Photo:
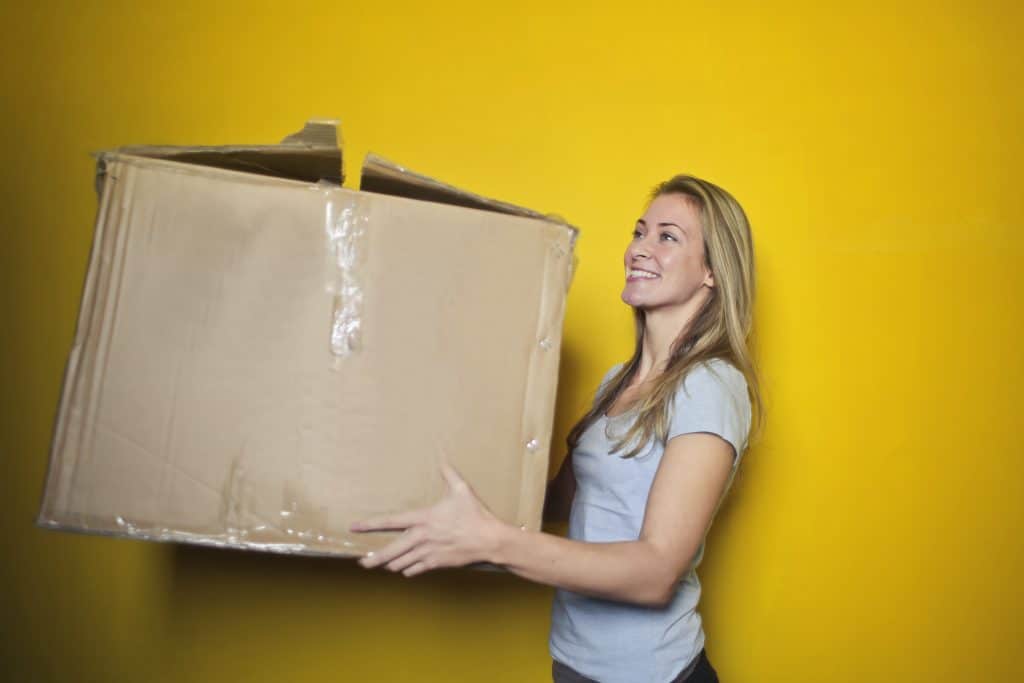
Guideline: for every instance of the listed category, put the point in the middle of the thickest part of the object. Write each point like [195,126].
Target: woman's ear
[709,279]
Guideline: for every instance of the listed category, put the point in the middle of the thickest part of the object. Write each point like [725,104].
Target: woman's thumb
[451,477]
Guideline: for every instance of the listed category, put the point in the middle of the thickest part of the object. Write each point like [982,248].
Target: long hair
[720,329]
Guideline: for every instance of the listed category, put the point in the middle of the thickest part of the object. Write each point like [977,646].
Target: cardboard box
[262,356]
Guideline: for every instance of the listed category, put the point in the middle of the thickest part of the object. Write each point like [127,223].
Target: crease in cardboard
[237,512]
[104,318]
[232,511]
[299,516]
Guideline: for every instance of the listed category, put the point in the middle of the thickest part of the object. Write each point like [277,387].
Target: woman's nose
[639,249]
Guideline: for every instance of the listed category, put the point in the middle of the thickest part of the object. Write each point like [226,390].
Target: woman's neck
[662,327]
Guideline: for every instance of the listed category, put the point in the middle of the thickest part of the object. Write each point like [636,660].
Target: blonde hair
[720,329]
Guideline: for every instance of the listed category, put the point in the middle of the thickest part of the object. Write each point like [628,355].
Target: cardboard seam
[106,321]
[555,310]
[541,445]
[84,388]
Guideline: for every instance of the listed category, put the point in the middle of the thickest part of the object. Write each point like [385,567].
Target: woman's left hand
[457,530]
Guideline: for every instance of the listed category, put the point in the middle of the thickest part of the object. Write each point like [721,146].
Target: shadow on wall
[208,576]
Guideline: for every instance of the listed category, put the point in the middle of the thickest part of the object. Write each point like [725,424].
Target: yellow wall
[874,533]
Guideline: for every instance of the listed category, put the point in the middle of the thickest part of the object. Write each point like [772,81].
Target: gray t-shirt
[618,642]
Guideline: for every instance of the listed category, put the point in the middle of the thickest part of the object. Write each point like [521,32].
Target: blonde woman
[648,465]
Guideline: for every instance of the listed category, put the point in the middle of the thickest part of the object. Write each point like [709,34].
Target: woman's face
[665,260]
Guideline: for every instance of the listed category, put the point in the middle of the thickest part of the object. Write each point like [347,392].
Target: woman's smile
[634,274]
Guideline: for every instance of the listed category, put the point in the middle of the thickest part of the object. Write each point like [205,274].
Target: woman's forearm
[627,571]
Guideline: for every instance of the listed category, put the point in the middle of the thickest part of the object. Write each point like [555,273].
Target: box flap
[386,177]
[311,154]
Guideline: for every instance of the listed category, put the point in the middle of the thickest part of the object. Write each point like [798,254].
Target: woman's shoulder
[718,368]
[714,377]
[713,397]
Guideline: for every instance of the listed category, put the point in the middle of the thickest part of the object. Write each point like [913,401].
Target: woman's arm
[460,530]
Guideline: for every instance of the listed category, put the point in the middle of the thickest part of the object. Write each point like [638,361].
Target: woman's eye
[636,233]
[669,235]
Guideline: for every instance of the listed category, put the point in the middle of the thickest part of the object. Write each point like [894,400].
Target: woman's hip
[697,671]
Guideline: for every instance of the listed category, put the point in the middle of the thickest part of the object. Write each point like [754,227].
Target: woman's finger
[397,547]
[451,477]
[418,568]
[410,558]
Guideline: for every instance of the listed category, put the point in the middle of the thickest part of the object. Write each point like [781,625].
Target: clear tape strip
[305,543]
[346,219]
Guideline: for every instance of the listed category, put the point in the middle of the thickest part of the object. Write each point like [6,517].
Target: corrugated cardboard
[263,357]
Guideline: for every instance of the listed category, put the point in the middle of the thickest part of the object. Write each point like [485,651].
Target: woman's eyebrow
[664,224]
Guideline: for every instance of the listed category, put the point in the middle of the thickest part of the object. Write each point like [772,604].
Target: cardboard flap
[310,155]
[316,133]
[386,177]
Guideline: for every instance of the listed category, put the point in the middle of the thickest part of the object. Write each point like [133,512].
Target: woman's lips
[636,274]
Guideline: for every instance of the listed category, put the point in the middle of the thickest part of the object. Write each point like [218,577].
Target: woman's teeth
[640,273]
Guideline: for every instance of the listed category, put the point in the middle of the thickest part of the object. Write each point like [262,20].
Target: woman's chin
[631,298]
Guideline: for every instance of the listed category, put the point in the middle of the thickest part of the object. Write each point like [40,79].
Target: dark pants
[702,672]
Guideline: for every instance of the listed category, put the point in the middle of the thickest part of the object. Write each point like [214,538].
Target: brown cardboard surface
[203,401]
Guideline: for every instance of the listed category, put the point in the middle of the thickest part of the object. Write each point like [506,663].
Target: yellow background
[873,534]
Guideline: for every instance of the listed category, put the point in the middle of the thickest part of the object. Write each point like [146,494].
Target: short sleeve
[713,398]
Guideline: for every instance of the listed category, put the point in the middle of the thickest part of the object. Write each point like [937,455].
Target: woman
[648,465]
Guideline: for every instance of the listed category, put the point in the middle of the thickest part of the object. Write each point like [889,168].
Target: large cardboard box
[263,356]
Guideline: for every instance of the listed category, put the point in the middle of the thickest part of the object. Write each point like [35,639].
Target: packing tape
[346,217]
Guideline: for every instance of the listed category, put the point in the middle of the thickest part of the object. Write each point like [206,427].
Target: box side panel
[211,407]
[454,304]
[189,273]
